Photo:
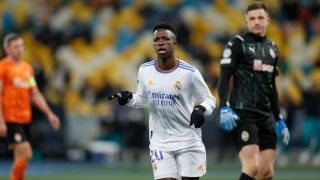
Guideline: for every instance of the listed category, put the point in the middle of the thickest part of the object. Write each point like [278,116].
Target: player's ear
[175,43]
[246,19]
[154,44]
[268,19]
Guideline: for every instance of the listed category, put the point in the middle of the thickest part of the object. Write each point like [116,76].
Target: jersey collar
[168,71]
[255,38]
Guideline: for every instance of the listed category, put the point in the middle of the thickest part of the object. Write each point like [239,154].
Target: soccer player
[171,87]
[17,86]
[252,110]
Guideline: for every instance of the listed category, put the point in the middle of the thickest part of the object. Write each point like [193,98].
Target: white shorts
[189,162]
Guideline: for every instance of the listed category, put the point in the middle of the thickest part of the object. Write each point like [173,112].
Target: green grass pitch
[89,171]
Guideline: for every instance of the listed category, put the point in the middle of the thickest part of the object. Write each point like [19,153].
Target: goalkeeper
[171,87]
[254,111]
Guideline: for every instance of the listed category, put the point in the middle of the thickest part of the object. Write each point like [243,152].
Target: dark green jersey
[252,62]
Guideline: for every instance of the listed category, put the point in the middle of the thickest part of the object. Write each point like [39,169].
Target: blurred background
[85,50]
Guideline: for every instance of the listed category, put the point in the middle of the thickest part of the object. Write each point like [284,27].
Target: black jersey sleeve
[231,54]
[274,99]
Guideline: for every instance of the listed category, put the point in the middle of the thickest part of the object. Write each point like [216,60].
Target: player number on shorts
[156,155]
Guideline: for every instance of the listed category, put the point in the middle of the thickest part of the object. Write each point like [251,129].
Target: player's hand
[283,131]
[197,116]
[3,129]
[228,118]
[123,97]
[54,120]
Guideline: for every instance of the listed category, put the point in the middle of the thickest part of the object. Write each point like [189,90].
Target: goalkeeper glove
[228,118]
[197,116]
[123,97]
[283,131]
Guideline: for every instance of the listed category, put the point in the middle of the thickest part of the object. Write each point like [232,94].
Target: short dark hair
[165,25]
[256,5]
[10,37]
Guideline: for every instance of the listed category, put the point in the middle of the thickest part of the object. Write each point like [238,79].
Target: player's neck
[15,60]
[167,64]
[260,35]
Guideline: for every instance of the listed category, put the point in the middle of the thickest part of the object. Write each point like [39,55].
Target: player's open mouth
[162,51]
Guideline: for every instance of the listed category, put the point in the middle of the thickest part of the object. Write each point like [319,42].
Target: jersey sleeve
[32,79]
[202,93]
[274,99]
[276,69]
[2,71]
[140,98]
[231,54]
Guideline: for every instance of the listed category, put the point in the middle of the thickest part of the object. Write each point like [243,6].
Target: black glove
[123,97]
[197,116]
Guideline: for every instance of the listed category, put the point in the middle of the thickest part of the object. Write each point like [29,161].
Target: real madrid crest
[245,136]
[178,86]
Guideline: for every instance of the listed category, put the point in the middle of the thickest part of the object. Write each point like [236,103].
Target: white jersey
[171,96]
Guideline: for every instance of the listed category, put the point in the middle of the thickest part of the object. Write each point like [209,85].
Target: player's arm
[274,100]
[41,103]
[202,93]
[140,98]
[137,100]
[3,127]
[282,129]
[231,53]
[230,56]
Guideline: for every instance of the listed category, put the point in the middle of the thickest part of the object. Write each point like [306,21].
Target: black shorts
[255,128]
[17,133]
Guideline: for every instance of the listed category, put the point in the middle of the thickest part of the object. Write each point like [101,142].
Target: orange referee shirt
[18,80]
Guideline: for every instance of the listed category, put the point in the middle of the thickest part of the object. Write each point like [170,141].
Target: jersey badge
[178,86]
[252,49]
[17,137]
[245,136]
[227,53]
[150,83]
[200,168]
[154,166]
[27,74]
[272,53]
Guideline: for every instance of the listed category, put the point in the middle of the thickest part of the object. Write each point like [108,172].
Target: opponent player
[252,61]
[17,86]
[171,87]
